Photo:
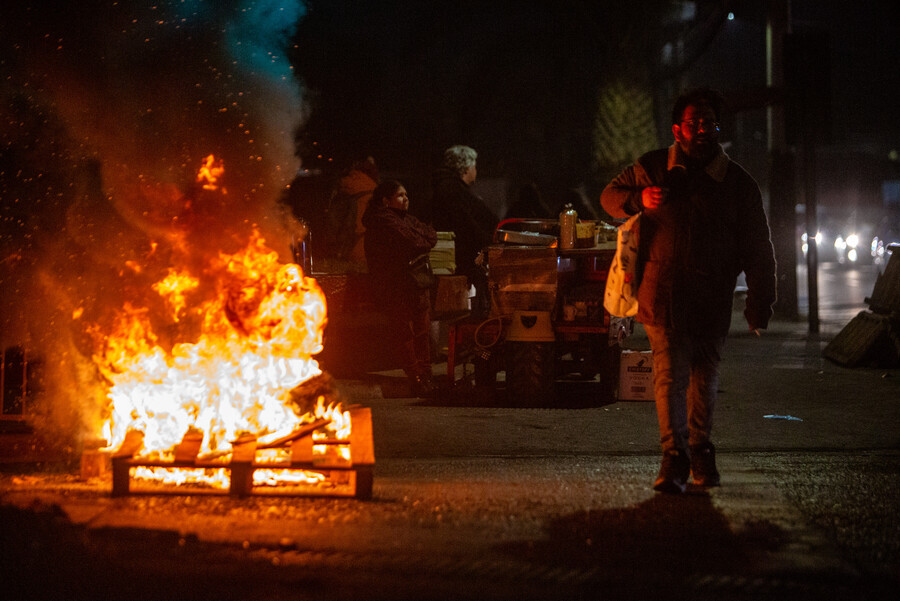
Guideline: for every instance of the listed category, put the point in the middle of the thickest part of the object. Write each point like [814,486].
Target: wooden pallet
[869,339]
[353,478]
[886,293]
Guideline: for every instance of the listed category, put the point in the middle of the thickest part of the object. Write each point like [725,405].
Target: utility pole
[782,168]
[807,77]
[809,101]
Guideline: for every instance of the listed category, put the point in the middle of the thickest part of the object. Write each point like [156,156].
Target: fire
[258,333]
[174,288]
[210,173]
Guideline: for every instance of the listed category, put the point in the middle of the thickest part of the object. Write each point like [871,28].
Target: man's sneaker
[673,473]
[703,465]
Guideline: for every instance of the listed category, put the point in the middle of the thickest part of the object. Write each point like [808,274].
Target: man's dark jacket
[711,227]
[457,209]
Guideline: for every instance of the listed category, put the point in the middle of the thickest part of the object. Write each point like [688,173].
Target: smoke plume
[109,110]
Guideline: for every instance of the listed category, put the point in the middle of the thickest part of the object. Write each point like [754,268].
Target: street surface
[842,290]
[474,499]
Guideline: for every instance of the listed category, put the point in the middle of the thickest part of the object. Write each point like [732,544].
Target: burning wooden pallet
[293,470]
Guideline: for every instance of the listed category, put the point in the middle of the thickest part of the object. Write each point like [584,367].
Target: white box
[636,376]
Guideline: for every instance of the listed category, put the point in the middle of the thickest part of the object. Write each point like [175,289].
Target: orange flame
[210,173]
[257,340]
[257,337]
[174,288]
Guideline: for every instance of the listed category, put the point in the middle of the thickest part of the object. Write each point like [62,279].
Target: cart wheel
[485,372]
[587,368]
[592,355]
[530,372]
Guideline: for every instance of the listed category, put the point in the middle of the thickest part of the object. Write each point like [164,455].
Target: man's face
[470,175]
[698,133]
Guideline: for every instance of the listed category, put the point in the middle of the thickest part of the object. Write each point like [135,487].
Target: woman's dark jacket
[393,238]
[711,227]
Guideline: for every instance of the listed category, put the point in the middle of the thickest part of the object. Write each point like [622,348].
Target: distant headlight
[840,243]
[852,240]
[803,237]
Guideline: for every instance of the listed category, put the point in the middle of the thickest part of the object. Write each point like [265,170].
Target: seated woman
[393,238]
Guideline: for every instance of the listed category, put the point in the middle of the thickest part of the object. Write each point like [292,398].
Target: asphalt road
[477,500]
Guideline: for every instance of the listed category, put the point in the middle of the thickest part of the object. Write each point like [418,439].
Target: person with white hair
[459,210]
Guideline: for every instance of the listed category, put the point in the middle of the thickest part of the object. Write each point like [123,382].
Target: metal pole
[812,227]
[782,166]
[778,24]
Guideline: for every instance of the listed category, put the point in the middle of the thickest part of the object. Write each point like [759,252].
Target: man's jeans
[685,383]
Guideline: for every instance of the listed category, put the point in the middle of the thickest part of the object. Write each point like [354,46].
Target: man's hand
[652,197]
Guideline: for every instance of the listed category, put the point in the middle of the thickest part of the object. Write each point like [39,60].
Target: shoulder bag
[419,271]
[620,297]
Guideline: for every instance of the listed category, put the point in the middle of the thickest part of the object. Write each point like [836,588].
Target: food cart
[547,320]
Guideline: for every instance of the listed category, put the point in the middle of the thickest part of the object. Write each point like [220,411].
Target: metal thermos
[567,220]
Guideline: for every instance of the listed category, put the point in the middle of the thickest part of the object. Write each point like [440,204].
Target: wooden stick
[294,435]
[187,449]
[134,442]
[298,433]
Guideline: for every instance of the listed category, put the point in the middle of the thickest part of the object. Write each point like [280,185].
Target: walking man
[702,224]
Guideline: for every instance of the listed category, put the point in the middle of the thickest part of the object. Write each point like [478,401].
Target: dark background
[109,107]
[520,82]
[562,93]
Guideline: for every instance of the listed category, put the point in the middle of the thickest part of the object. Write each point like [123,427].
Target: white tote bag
[620,297]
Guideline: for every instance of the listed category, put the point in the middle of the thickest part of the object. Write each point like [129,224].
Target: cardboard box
[450,296]
[636,376]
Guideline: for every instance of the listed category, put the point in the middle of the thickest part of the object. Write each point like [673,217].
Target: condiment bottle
[567,220]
